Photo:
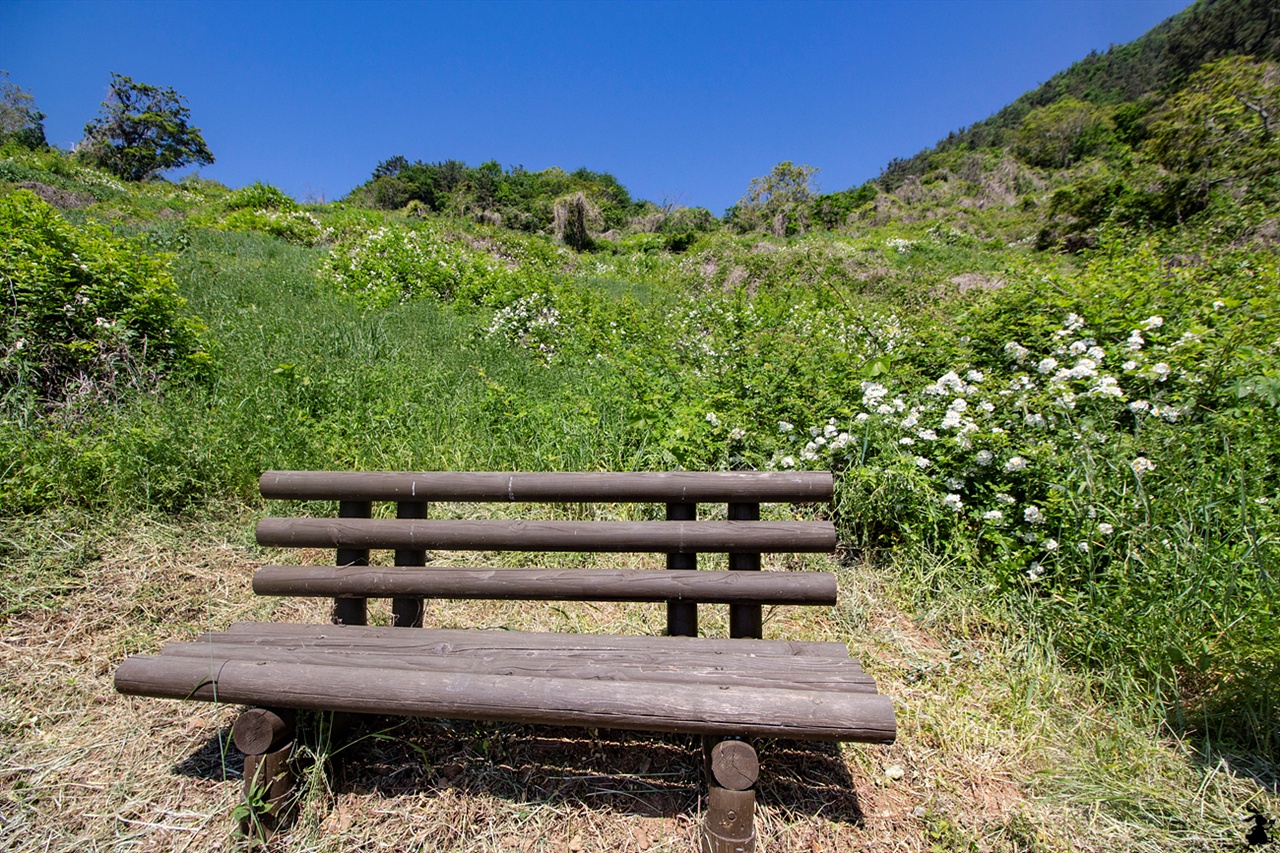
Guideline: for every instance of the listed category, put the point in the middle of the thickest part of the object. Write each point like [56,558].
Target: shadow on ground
[215,760]
[633,773]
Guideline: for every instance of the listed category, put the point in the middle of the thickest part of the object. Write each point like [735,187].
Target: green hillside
[1042,359]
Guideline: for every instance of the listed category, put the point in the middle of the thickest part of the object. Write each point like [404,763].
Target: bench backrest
[742,535]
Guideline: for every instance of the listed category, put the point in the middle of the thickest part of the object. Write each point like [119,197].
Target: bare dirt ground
[85,769]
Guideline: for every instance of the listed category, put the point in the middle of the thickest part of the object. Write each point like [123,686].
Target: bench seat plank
[708,587]
[465,640]
[578,536]
[658,664]
[711,709]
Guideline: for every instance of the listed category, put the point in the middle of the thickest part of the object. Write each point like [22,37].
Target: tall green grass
[1136,542]
[306,379]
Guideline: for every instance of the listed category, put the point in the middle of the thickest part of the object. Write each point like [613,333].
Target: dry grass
[999,749]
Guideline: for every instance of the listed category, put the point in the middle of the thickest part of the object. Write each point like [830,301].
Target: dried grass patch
[986,738]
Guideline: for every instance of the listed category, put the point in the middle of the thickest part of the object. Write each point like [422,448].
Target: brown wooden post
[352,611]
[268,792]
[733,769]
[407,612]
[265,736]
[682,616]
[260,730]
[745,619]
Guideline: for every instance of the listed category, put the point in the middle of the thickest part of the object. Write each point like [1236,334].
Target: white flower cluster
[530,322]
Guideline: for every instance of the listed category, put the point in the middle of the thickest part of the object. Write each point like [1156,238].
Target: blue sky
[683,102]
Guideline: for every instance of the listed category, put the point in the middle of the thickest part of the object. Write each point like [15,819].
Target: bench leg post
[732,771]
[352,611]
[269,801]
[265,736]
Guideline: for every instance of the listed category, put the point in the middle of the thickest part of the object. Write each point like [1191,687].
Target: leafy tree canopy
[771,199]
[1224,120]
[1062,133]
[514,197]
[142,131]
[20,121]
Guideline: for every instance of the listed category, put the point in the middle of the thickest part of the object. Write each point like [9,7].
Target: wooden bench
[728,689]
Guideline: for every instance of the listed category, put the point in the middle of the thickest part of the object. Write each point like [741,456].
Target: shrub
[267,210]
[259,196]
[393,264]
[90,311]
[296,226]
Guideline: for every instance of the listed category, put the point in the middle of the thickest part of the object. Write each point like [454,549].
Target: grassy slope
[1111,690]
[1002,747]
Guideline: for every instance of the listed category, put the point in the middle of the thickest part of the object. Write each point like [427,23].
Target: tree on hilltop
[20,121]
[142,131]
[772,200]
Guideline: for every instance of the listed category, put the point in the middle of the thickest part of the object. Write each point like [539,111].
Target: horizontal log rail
[567,487]
[578,536]
[471,640]
[706,587]
[812,673]
[691,708]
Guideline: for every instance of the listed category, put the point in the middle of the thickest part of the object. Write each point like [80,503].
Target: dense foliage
[142,131]
[515,198]
[1079,446]
[21,123]
[88,313]
[1126,77]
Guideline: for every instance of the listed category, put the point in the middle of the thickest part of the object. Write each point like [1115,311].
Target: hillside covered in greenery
[1042,358]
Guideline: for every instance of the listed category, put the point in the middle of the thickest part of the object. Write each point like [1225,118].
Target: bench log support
[745,619]
[265,736]
[732,771]
[682,616]
[725,690]
[407,612]
[352,611]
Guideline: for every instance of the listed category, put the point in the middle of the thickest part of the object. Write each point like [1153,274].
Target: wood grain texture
[691,708]
[689,667]
[581,536]
[711,587]
[729,826]
[258,730]
[462,639]
[734,765]
[568,487]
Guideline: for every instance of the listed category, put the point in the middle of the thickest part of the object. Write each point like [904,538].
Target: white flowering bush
[89,312]
[265,209]
[394,263]
[295,226]
[1099,445]
[531,322]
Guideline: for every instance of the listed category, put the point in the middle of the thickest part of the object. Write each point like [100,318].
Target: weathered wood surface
[745,619]
[463,640]
[408,612]
[352,611]
[268,781]
[582,536]
[729,826]
[682,616]
[258,730]
[734,765]
[710,587]
[691,708]
[570,487]
[691,668]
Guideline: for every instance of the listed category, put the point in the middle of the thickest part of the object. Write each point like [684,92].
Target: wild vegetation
[1043,359]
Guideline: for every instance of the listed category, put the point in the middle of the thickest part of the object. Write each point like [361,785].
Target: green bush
[259,196]
[296,226]
[90,311]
